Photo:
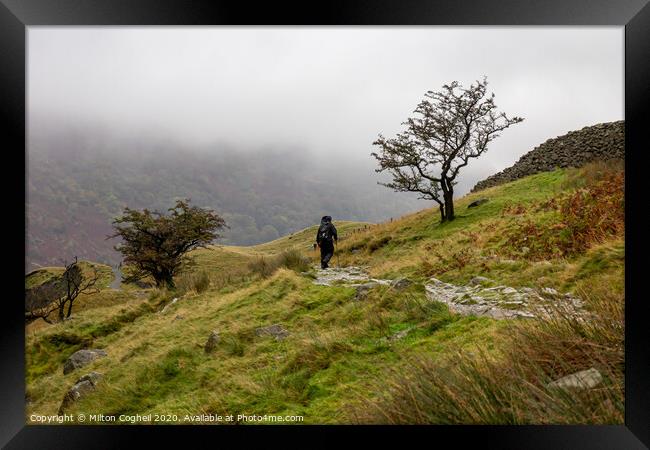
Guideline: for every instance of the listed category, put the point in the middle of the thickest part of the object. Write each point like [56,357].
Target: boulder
[401,283]
[478,202]
[211,343]
[82,358]
[277,331]
[93,377]
[478,281]
[584,379]
[363,289]
[82,387]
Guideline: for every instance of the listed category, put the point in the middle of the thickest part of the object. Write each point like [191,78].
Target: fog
[325,91]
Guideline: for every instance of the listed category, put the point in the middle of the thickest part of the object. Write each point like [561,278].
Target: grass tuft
[193,282]
[510,387]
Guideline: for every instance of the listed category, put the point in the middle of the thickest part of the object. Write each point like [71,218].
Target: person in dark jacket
[325,238]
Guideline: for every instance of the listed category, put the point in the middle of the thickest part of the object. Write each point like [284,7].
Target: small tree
[59,292]
[451,127]
[156,245]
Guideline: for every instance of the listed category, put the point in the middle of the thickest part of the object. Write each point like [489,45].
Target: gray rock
[81,388]
[495,288]
[584,379]
[498,302]
[550,291]
[514,302]
[478,202]
[436,281]
[363,289]
[93,377]
[82,358]
[478,281]
[401,283]
[164,310]
[574,149]
[277,331]
[399,335]
[211,343]
[333,275]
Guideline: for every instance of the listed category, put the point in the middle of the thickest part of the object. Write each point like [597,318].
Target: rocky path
[480,297]
[350,276]
[499,302]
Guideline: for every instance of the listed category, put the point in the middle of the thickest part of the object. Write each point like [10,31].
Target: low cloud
[327,91]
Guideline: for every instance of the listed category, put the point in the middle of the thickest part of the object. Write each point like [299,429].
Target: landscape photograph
[324,225]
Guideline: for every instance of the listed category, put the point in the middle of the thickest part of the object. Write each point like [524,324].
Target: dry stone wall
[603,141]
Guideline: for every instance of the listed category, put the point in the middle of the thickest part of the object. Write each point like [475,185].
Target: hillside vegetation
[342,361]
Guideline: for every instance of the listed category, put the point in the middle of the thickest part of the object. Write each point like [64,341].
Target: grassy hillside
[304,239]
[341,362]
[501,239]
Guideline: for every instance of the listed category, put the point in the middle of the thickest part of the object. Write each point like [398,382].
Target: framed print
[378,218]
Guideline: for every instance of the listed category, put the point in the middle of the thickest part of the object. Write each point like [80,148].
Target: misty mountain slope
[75,189]
[347,353]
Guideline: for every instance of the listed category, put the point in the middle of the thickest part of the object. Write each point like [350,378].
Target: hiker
[325,238]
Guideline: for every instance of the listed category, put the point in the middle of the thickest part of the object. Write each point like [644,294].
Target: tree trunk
[449,205]
[447,208]
[61,312]
[165,278]
[69,308]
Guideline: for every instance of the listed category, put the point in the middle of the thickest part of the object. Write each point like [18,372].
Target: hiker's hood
[326,219]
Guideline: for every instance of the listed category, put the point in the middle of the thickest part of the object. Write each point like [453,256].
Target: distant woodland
[77,185]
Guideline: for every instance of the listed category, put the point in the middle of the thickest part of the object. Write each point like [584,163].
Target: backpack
[325,233]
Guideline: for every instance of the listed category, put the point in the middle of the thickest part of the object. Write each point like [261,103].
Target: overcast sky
[324,89]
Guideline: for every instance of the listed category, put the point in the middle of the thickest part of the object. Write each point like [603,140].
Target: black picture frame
[634,15]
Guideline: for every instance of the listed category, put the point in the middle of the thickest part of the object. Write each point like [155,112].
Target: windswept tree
[449,128]
[59,293]
[156,245]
